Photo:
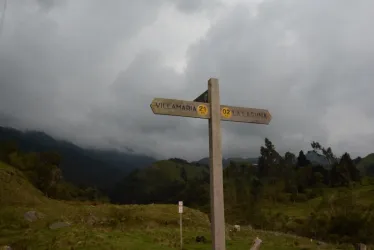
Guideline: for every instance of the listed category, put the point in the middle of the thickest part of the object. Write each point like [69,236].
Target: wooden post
[216,179]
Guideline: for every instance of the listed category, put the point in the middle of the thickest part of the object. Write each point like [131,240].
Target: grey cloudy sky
[87,70]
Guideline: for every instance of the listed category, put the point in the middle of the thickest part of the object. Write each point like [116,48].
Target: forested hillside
[328,198]
[288,193]
[87,167]
[42,169]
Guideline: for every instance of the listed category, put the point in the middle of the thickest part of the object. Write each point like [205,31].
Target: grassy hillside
[107,226]
[15,190]
[363,195]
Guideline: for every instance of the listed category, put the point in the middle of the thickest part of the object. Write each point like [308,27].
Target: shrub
[341,219]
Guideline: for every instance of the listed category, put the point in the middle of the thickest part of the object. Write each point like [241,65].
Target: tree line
[338,216]
[260,194]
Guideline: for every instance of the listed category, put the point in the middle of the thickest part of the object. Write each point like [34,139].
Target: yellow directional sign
[162,106]
[173,107]
[248,115]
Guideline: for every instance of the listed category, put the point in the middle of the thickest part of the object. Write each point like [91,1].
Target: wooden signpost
[173,107]
[207,106]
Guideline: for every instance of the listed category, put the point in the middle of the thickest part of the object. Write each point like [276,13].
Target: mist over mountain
[104,168]
[82,166]
[312,156]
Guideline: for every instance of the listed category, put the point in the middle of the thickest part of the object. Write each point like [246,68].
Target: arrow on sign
[202,98]
[161,106]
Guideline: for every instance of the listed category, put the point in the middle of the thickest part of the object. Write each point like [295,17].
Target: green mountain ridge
[87,167]
[312,156]
[226,161]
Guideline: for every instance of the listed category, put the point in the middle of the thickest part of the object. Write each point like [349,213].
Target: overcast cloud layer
[87,70]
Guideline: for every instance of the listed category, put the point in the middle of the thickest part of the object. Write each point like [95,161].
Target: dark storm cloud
[329,63]
[49,4]
[85,71]
[51,69]
[189,6]
[195,5]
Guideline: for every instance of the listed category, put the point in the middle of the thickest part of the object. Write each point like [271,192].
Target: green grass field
[364,196]
[107,226]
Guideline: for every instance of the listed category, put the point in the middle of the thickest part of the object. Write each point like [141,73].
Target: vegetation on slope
[226,162]
[366,165]
[42,170]
[87,167]
[107,226]
[14,189]
[283,193]
[164,182]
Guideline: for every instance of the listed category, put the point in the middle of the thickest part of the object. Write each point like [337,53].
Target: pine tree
[302,161]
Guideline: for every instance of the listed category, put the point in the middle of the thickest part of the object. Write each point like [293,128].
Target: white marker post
[180,210]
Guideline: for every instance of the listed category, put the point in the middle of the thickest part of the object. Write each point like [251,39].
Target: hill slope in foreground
[29,220]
